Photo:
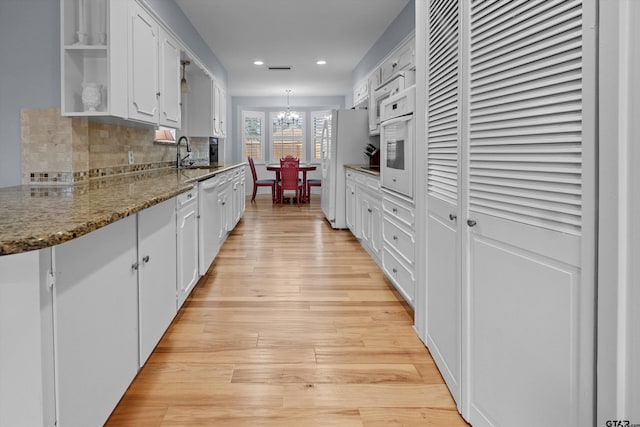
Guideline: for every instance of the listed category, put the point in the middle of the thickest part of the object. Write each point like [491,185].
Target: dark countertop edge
[33,243]
[364,169]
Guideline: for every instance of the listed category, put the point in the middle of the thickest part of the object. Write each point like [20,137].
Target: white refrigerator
[344,138]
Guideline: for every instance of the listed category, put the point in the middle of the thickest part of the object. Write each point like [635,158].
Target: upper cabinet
[143,65]
[206,105]
[402,58]
[117,60]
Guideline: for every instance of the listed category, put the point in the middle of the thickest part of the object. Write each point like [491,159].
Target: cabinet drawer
[400,275]
[189,196]
[400,240]
[399,211]
[373,183]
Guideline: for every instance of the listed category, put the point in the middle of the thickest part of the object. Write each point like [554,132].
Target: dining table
[304,168]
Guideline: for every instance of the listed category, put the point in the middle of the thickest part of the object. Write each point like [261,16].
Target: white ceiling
[290,33]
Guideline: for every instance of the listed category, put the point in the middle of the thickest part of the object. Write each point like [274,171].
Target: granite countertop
[38,216]
[365,169]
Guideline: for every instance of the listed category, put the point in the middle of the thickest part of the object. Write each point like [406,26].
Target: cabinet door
[376,227]
[157,273]
[143,65]
[351,212]
[219,110]
[169,69]
[444,323]
[524,175]
[187,248]
[96,322]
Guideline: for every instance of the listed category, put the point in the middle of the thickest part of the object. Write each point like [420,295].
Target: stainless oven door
[397,141]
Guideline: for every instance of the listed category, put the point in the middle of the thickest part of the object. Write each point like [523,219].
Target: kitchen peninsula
[91,279]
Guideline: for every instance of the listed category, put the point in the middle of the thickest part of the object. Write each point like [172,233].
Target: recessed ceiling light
[258,62]
[321,62]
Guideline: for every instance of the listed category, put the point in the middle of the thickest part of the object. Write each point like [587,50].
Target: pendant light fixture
[289,117]
[184,86]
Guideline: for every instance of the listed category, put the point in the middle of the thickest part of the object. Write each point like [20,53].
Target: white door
[529,325]
[157,273]
[169,81]
[443,141]
[96,322]
[187,245]
[510,315]
[143,65]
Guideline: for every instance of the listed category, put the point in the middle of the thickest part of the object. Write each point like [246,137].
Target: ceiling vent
[281,68]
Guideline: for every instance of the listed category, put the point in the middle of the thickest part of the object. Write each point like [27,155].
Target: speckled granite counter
[365,169]
[35,217]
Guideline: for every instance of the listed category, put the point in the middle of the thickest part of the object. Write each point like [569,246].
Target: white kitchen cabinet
[93,56]
[143,65]
[401,58]
[126,65]
[156,273]
[225,208]
[351,204]
[187,244]
[238,195]
[219,122]
[199,102]
[95,302]
[361,93]
[371,220]
[373,83]
[399,242]
[169,81]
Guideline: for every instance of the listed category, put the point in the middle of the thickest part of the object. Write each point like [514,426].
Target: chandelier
[287,118]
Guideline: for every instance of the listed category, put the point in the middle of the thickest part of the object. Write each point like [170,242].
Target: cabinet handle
[189,195]
[145,259]
[395,271]
[394,180]
[395,238]
[369,210]
[394,210]
[453,217]
[157,93]
[135,265]
[471,222]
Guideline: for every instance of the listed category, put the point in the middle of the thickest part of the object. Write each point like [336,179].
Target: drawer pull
[135,265]
[453,217]
[394,210]
[395,271]
[395,238]
[471,222]
[145,259]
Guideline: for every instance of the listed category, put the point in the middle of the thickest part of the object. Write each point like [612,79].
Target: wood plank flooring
[294,325]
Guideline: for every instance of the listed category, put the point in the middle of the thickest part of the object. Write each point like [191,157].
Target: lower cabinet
[187,244]
[351,204]
[95,305]
[156,273]
[398,229]
[371,223]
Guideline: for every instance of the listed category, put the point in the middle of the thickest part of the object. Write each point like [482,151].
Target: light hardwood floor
[294,325]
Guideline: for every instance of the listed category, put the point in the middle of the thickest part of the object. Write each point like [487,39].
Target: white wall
[29,71]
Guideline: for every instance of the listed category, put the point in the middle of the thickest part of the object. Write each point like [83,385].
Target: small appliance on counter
[213,151]
[373,153]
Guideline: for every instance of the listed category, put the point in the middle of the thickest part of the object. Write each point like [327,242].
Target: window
[317,122]
[287,138]
[252,134]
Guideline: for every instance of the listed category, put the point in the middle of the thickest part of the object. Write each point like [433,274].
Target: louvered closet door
[529,355]
[443,142]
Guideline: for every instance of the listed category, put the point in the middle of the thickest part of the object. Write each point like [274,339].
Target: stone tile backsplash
[57,149]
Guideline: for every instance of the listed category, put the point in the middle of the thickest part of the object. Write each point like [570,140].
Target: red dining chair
[289,181]
[261,182]
[312,183]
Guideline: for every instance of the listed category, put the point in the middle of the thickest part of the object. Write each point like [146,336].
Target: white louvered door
[528,353]
[443,157]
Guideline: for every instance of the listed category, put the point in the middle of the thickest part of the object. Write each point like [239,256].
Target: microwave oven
[397,140]
[394,85]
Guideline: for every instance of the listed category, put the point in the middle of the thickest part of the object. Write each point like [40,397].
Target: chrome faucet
[179,160]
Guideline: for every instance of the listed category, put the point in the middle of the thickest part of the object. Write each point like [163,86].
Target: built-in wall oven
[394,85]
[397,136]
